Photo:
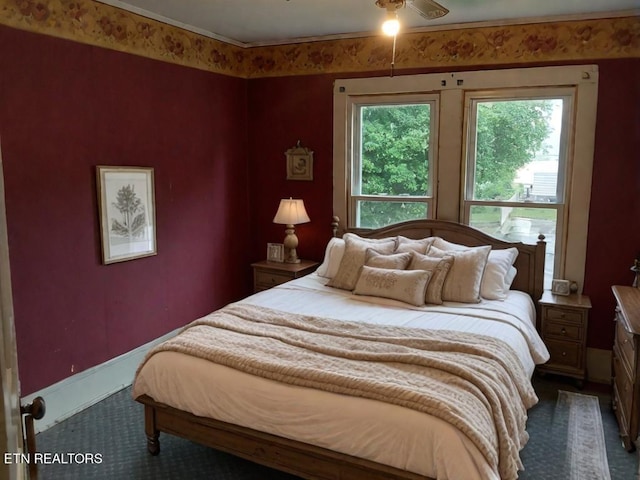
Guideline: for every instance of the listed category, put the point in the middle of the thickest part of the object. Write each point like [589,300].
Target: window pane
[519,225]
[394,150]
[517,150]
[374,214]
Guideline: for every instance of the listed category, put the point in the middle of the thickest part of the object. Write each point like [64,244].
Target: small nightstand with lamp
[268,274]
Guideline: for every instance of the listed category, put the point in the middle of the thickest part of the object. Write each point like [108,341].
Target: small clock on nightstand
[565,320]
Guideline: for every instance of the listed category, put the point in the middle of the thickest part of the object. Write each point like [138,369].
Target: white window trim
[452,87]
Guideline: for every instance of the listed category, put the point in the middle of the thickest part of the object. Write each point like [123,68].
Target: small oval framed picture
[560,287]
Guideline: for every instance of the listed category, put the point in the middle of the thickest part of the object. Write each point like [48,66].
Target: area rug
[586,449]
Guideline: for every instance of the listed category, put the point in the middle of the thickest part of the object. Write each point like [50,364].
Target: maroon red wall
[217,145]
[283,110]
[67,107]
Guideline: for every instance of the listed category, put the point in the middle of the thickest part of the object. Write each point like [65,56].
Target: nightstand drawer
[626,345]
[567,354]
[564,315]
[268,279]
[563,331]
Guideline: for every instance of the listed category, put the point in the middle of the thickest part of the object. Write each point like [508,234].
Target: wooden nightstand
[269,274]
[564,331]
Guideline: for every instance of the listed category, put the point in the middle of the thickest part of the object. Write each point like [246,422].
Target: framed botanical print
[126,203]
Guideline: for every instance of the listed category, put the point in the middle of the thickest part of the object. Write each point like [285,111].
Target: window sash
[472,100]
[355,106]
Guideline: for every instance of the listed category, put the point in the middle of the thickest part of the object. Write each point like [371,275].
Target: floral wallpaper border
[93,23]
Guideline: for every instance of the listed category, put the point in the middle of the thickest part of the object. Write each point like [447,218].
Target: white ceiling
[264,22]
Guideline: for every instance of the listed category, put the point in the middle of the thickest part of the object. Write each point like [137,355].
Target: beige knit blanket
[475,383]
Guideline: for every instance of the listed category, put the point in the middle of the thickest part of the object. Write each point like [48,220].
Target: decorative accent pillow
[494,281]
[442,244]
[439,268]
[411,245]
[353,258]
[398,261]
[465,276]
[404,285]
[332,258]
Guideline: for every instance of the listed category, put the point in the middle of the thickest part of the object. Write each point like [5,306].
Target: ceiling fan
[391,26]
[427,8]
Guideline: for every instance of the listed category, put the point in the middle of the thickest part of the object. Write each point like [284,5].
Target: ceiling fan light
[391,25]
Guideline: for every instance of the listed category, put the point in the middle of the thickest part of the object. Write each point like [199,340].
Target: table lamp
[291,212]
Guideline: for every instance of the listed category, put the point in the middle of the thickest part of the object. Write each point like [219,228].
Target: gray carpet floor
[115,428]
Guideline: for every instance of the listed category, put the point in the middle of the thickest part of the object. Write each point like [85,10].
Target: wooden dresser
[564,330]
[269,274]
[626,365]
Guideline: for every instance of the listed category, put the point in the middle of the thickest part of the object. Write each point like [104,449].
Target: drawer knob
[563,331]
[564,354]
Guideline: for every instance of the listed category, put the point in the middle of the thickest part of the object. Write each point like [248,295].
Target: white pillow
[465,276]
[511,276]
[494,281]
[332,258]
[404,285]
[353,258]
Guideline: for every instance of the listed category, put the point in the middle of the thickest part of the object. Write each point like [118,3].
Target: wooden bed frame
[305,460]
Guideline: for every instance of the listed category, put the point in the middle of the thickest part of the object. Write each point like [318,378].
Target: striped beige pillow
[355,250]
[465,276]
[398,261]
[439,268]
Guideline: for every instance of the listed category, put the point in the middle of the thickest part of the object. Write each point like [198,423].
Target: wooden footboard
[297,458]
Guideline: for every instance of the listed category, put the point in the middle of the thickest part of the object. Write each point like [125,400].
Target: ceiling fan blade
[428,8]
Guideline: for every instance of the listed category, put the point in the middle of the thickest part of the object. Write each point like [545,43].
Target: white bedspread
[384,433]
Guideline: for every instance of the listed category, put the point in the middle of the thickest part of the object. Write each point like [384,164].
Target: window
[391,166]
[507,151]
[516,164]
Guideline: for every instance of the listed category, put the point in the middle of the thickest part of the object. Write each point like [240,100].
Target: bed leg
[153,444]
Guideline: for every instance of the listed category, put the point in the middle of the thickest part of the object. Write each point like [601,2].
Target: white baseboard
[80,391]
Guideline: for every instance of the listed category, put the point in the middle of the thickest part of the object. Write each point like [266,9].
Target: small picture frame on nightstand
[560,287]
[275,252]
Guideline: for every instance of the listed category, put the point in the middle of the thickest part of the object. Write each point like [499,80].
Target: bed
[334,427]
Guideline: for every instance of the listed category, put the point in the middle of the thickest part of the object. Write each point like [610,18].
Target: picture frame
[560,287]
[126,205]
[299,163]
[275,252]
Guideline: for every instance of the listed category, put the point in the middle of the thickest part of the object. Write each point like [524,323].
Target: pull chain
[393,54]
